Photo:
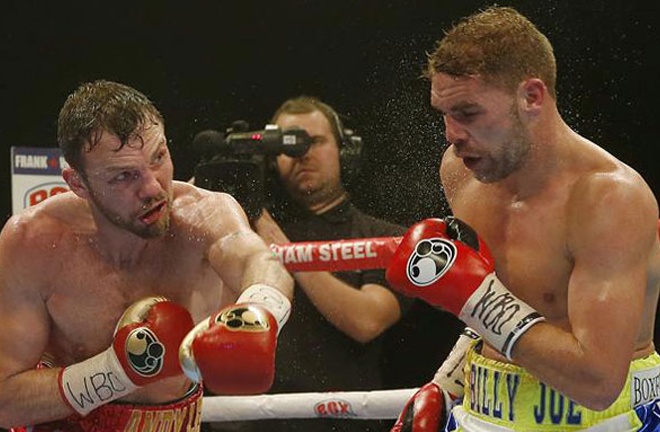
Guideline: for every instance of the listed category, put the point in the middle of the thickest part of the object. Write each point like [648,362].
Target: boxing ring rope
[358,405]
[334,255]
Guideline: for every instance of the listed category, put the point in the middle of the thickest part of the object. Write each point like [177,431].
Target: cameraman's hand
[268,229]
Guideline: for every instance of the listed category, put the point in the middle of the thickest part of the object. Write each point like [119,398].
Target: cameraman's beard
[316,198]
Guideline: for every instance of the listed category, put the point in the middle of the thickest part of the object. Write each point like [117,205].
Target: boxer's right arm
[144,351]
[28,396]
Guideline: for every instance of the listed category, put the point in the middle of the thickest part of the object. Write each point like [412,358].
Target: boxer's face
[132,187]
[483,125]
[314,177]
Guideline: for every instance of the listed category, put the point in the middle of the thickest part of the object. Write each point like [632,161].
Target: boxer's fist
[147,339]
[425,411]
[145,348]
[446,264]
[440,261]
[428,409]
[232,351]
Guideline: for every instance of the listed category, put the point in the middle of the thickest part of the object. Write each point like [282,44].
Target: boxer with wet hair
[552,253]
[131,284]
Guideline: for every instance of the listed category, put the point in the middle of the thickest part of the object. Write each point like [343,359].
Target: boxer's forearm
[30,398]
[575,369]
[264,268]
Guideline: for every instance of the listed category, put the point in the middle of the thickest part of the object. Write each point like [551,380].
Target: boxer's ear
[532,93]
[75,181]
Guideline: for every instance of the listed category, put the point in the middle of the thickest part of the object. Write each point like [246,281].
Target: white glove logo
[430,260]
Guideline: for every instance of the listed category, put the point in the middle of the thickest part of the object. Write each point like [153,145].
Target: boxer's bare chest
[528,241]
[90,293]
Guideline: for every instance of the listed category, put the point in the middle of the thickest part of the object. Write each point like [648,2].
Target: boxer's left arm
[263,289]
[237,253]
[611,234]
[613,242]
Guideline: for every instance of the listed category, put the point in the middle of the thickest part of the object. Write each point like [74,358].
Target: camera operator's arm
[362,314]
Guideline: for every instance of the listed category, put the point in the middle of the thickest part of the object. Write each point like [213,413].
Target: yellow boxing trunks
[504,397]
[183,415]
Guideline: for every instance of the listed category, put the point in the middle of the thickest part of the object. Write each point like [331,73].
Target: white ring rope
[359,405]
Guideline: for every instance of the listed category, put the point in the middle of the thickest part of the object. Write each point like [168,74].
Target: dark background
[206,64]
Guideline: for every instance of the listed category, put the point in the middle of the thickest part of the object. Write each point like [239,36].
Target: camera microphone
[235,162]
[293,142]
[209,143]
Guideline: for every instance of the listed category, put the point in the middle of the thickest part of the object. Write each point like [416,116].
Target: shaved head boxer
[131,289]
[551,255]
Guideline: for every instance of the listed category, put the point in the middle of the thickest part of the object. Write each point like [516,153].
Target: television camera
[236,162]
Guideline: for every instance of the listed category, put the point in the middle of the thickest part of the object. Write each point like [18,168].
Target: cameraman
[333,340]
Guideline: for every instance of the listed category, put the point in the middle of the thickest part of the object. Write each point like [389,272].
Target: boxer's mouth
[153,214]
[471,161]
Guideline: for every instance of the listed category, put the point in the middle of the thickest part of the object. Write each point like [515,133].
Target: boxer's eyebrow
[160,151]
[463,106]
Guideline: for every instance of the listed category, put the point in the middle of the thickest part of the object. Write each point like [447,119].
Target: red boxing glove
[446,264]
[425,411]
[147,338]
[428,409]
[431,264]
[233,351]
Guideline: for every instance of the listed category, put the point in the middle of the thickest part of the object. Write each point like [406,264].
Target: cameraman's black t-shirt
[313,355]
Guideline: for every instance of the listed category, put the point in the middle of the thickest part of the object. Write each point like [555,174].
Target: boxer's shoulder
[199,210]
[597,171]
[193,199]
[48,224]
[595,192]
[37,244]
